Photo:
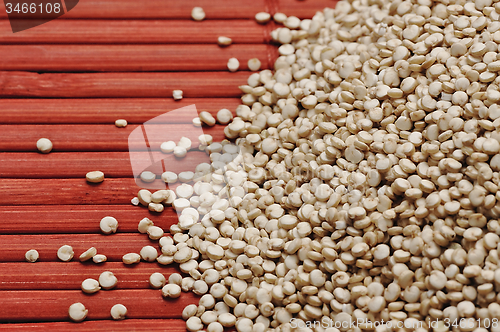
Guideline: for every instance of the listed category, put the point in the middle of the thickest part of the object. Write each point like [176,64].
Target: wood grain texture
[108,32]
[172,9]
[121,85]
[114,246]
[130,58]
[74,191]
[78,164]
[77,219]
[17,138]
[128,325]
[66,191]
[39,306]
[106,110]
[70,275]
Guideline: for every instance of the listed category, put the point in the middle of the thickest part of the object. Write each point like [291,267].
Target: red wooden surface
[66,191]
[74,219]
[136,32]
[114,246]
[173,9]
[52,305]
[96,137]
[49,89]
[129,325]
[69,276]
[104,111]
[77,164]
[121,85]
[130,58]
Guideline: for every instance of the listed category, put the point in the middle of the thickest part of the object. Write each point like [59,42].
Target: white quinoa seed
[31,256]
[65,253]
[118,312]
[224,41]
[121,123]
[77,312]
[262,17]
[95,176]
[44,145]
[198,14]
[233,64]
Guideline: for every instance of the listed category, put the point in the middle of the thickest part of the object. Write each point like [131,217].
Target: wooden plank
[77,219]
[172,9]
[114,246]
[66,191]
[77,164]
[136,32]
[121,85]
[105,111]
[69,276]
[74,191]
[161,9]
[130,58]
[39,306]
[127,325]
[23,138]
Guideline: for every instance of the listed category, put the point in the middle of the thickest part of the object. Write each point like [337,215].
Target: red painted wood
[98,137]
[77,164]
[77,219]
[121,85]
[104,111]
[66,191]
[136,32]
[114,246]
[39,306]
[172,9]
[70,275]
[129,58]
[127,325]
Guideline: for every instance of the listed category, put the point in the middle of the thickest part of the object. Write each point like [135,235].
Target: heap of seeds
[366,183]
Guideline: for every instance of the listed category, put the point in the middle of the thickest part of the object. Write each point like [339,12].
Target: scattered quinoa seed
[233,64]
[44,145]
[254,64]
[262,17]
[121,123]
[31,256]
[118,312]
[224,41]
[95,177]
[198,14]
[77,312]
[108,225]
[65,253]
[177,94]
